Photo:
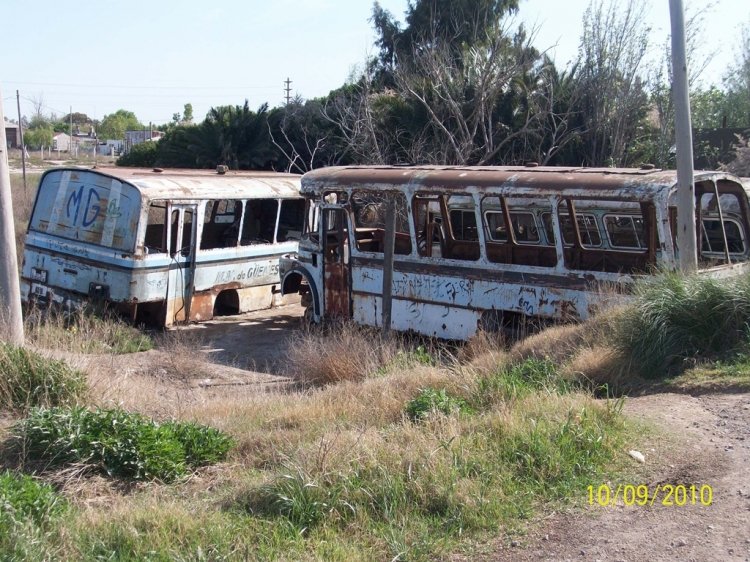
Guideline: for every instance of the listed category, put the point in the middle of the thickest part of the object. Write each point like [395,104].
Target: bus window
[626,232]
[155,241]
[291,216]
[462,242]
[368,210]
[259,225]
[221,224]
[590,237]
[712,239]
[462,218]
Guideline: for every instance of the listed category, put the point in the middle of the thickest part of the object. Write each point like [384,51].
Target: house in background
[12,135]
[137,137]
[61,141]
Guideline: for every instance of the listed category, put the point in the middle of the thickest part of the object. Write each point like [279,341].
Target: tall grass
[28,380]
[84,331]
[676,317]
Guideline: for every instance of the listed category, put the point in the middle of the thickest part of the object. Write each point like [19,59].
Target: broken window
[221,224]
[291,219]
[155,241]
[369,211]
[259,225]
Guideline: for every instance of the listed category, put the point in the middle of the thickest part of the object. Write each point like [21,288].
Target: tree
[187,114]
[737,84]
[114,125]
[614,102]
[38,137]
[230,135]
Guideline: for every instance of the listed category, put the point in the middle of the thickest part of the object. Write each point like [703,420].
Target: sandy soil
[710,444]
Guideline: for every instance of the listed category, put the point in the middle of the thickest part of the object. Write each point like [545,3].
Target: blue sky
[152,57]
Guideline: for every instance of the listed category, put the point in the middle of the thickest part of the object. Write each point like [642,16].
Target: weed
[22,497]
[433,400]
[520,379]
[28,379]
[119,443]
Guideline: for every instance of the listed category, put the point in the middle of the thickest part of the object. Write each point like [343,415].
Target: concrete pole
[10,291]
[686,232]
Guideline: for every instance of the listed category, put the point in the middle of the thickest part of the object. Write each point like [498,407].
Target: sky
[153,57]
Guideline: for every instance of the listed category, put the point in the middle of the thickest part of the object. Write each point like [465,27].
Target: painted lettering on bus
[90,210]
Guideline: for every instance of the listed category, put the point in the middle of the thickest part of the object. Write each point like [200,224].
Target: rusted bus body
[479,246]
[163,246]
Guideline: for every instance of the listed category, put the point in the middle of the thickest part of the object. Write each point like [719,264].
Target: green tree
[114,125]
[187,114]
[38,136]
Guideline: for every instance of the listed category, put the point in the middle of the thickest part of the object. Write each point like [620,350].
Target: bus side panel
[440,303]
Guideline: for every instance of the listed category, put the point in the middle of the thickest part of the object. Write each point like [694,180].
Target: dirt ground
[710,445]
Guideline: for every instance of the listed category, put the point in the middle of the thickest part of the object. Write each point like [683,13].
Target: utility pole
[686,232]
[287,90]
[23,145]
[70,142]
[10,290]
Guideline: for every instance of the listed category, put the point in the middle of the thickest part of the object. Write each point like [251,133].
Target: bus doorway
[180,281]
[336,273]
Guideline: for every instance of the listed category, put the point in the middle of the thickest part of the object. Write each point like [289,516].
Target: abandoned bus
[164,247]
[482,246]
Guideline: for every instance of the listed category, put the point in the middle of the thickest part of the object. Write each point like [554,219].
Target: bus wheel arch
[300,281]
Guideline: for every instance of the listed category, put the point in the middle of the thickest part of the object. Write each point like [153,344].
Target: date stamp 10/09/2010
[642,495]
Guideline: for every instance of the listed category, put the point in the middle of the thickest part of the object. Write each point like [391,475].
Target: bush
[29,380]
[23,498]
[143,154]
[434,400]
[120,443]
[675,317]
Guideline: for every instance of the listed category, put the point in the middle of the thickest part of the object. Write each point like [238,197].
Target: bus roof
[176,184]
[629,183]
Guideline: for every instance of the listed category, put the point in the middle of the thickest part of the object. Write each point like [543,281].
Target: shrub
[120,443]
[140,155]
[28,379]
[434,400]
[675,317]
[23,498]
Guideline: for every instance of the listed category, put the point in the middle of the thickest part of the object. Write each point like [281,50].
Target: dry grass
[343,352]
[23,203]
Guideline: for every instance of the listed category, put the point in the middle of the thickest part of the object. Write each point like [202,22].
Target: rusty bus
[482,246]
[163,246]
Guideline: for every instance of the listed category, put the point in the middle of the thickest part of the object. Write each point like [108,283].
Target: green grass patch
[23,498]
[676,317]
[435,400]
[27,509]
[28,380]
[120,443]
[733,372]
[519,380]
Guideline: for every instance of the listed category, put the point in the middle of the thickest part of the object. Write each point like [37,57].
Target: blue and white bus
[162,246]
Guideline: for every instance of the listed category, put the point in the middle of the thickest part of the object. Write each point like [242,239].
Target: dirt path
[713,431]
